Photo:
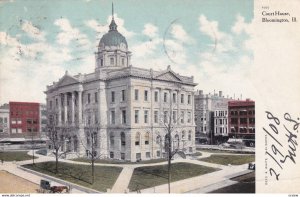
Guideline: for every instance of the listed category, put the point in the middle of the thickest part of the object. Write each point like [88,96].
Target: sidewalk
[123,180]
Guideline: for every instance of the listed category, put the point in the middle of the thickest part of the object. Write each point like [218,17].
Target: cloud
[69,33]
[223,42]
[33,31]
[241,26]
[180,34]
[150,30]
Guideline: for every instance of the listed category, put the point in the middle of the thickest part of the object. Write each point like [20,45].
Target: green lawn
[145,177]
[105,176]
[229,159]
[15,156]
[246,184]
[110,161]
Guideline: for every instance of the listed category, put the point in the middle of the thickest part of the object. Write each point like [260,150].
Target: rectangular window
[50,104]
[165,116]
[56,102]
[165,97]
[113,117]
[155,116]
[112,62]
[123,95]
[112,96]
[111,155]
[156,96]
[13,130]
[146,95]
[96,97]
[174,97]
[174,115]
[136,116]
[147,154]
[136,95]
[158,153]
[123,61]
[182,117]
[101,62]
[182,98]
[138,156]
[189,99]
[89,98]
[146,116]
[123,154]
[189,120]
[243,120]
[123,116]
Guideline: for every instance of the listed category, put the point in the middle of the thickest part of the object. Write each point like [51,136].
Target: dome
[113,38]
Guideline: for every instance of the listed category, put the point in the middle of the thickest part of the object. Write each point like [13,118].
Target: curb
[73,185]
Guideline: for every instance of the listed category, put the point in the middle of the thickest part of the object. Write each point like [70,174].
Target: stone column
[73,108]
[59,109]
[66,107]
[80,107]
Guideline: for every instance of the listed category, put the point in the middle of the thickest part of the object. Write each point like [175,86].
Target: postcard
[179,97]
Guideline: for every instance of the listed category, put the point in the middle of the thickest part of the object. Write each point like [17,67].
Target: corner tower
[112,49]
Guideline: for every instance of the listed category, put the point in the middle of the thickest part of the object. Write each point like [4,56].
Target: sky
[208,39]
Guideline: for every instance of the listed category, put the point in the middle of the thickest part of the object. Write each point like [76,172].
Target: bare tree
[56,140]
[169,121]
[92,145]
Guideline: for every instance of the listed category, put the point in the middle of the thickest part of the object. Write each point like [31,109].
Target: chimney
[220,93]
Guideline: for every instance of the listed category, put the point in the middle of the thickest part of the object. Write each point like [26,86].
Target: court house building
[126,107]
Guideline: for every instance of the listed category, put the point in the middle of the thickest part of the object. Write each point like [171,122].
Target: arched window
[158,139]
[137,139]
[123,141]
[112,139]
[190,135]
[147,136]
[183,135]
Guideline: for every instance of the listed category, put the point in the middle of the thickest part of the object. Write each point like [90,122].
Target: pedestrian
[2,161]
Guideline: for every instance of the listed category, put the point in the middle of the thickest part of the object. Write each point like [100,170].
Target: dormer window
[112,61]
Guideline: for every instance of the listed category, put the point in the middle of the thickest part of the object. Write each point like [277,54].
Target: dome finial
[112,10]
[113,25]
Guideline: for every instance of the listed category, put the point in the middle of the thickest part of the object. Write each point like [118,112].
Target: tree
[169,121]
[92,145]
[56,140]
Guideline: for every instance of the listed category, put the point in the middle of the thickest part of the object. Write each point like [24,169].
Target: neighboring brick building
[24,119]
[242,120]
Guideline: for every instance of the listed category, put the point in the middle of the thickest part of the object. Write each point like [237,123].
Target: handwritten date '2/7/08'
[281,152]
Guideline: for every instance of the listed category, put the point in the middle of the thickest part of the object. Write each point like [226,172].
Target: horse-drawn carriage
[45,187]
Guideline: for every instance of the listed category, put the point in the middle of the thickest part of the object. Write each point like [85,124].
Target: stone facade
[126,106]
[4,121]
[211,113]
